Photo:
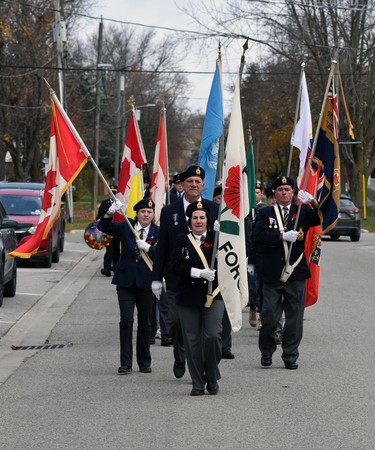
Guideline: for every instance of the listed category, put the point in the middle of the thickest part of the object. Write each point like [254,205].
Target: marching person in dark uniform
[201,325]
[273,234]
[133,280]
[177,191]
[173,222]
[112,250]
[253,277]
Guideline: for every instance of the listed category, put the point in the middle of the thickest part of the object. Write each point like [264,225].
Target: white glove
[305,196]
[290,236]
[157,287]
[216,225]
[142,245]
[207,274]
[116,206]
[250,269]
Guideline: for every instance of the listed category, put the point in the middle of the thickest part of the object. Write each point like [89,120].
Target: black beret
[268,191]
[113,187]
[197,206]
[282,181]
[144,203]
[218,190]
[192,171]
[258,185]
[176,178]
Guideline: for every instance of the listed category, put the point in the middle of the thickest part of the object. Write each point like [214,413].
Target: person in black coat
[112,250]
[201,325]
[173,222]
[273,235]
[133,280]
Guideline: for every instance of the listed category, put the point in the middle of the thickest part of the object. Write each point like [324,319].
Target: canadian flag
[159,173]
[67,157]
[131,167]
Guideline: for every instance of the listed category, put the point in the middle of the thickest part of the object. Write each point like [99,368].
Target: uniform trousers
[174,329]
[163,317]
[128,299]
[111,255]
[202,331]
[290,298]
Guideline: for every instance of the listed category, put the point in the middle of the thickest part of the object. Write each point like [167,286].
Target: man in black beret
[274,232]
[172,223]
[177,190]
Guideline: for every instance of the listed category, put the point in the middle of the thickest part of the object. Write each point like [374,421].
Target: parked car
[349,221]
[8,266]
[24,206]
[39,187]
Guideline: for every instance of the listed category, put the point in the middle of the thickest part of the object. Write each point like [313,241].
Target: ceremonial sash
[288,268]
[205,265]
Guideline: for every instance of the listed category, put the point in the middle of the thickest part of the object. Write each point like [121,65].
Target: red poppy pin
[207,245]
[294,216]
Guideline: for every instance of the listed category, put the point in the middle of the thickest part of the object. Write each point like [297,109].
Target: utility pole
[60,38]
[118,137]
[97,118]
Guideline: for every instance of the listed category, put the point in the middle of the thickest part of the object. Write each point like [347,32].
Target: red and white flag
[159,173]
[131,167]
[67,157]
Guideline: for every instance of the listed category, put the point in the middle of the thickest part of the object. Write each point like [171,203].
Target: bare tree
[316,31]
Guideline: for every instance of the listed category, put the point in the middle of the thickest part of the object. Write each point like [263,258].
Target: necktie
[202,240]
[137,252]
[285,216]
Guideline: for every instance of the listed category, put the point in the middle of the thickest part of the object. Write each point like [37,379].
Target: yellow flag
[135,193]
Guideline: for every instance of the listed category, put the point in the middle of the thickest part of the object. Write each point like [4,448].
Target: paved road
[72,398]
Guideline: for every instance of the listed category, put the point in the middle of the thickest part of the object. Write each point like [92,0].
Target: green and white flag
[232,266]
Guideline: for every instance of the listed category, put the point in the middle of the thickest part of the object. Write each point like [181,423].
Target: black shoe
[124,370]
[266,361]
[196,392]
[227,355]
[152,341]
[212,388]
[166,342]
[146,370]
[107,273]
[179,369]
[291,365]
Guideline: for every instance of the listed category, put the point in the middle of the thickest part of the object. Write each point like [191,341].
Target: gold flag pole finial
[131,101]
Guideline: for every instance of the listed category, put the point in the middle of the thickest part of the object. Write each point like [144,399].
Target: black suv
[349,221]
[8,266]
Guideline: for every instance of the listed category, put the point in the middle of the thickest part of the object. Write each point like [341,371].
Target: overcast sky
[165,13]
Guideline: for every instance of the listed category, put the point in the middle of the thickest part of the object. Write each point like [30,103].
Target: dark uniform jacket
[192,291]
[266,235]
[103,208]
[130,270]
[172,223]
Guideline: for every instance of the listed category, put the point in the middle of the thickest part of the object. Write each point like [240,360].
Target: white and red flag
[130,180]
[67,157]
[160,171]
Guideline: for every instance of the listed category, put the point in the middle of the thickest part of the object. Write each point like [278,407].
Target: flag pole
[298,105]
[308,170]
[220,157]
[164,113]
[87,153]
